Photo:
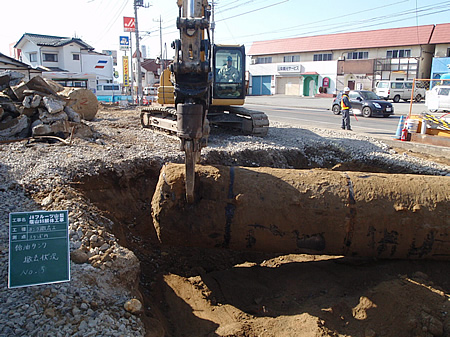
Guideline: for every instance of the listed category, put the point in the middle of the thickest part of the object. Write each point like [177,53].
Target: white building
[69,61]
[306,66]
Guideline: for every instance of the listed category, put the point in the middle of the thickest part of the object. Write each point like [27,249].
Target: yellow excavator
[204,85]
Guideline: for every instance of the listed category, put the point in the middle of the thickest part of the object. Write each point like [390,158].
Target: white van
[397,90]
[438,98]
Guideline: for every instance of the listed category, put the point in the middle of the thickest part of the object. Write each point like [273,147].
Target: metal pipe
[191,9]
[306,211]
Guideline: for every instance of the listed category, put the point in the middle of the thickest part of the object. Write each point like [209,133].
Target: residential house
[308,65]
[10,64]
[69,61]
[150,70]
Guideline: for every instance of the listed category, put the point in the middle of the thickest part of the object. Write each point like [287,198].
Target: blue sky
[100,22]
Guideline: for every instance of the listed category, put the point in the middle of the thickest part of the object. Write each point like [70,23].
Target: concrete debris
[72,114]
[12,127]
[48,117]
[53,106]
[42,107]
[10,78]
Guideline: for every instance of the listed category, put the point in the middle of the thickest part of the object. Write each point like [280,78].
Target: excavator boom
[192,72]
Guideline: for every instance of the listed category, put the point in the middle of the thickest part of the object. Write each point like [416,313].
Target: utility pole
[138,3]
[161,63]
[160,44]
[213,24]
[131,72]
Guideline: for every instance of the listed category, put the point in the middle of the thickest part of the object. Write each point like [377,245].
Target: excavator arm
[192,83]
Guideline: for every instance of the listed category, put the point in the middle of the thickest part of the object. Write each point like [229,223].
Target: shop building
[307,66]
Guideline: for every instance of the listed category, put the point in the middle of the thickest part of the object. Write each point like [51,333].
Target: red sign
[128,24]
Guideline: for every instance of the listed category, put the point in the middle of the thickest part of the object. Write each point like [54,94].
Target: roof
[152,65]
[393,37]
[52,41]
[9,60]
[441,34]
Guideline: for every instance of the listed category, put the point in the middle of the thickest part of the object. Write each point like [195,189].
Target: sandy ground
[206,292]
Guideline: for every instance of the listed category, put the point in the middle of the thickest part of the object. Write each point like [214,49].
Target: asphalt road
[316,112]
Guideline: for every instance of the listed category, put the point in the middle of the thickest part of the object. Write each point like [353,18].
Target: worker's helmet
[229,58]
[346,89]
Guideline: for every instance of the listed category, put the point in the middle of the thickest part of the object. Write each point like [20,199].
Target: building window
[33,57]
[399,53]
[291,58]
[50,57]
[76,57]
[323,57]
[358,55]
[261,60]
[448,52]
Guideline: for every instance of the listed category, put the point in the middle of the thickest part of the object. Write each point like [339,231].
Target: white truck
[438,98]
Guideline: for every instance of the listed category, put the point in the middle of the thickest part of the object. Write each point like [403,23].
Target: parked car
[365,103]
[438,98]
[397,90]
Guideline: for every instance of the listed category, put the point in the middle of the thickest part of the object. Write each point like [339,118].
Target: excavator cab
[228,66]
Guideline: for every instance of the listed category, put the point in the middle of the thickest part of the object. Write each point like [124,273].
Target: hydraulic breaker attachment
[190,130]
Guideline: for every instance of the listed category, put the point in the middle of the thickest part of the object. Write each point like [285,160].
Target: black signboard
[38,248]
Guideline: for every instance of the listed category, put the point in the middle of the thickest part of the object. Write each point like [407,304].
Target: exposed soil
[210,292]
[200,292]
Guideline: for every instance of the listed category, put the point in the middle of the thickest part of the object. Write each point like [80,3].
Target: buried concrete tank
[305,211]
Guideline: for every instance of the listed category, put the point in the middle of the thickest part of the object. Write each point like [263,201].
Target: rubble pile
[41,107]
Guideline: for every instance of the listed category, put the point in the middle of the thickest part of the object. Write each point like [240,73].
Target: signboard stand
[38,248]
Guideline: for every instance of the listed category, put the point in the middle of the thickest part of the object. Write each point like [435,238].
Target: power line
[252,11]
[237,6]
[364,22]
[347,24]
[113,21]
[381,18]
[340,17]
[346,30]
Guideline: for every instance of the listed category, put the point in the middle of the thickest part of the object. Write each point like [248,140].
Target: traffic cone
[400,125]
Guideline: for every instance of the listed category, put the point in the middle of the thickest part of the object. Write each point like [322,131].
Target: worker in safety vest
[345,109]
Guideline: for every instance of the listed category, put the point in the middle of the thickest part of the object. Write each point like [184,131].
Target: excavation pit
[220,292]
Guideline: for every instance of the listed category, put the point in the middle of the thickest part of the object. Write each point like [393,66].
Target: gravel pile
[37,176]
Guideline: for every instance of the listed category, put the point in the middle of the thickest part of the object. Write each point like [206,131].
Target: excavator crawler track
[249,122]
[159,117]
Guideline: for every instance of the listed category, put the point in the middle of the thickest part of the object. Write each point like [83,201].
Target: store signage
[126,72]
[124,43]
[128,24]
[288,68]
